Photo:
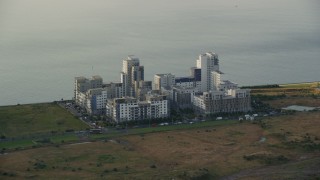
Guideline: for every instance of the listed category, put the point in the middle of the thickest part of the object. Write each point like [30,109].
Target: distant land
[311,84]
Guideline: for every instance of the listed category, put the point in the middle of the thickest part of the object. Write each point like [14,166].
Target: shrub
[69,130]
[40,165]
[106,158]
[44,140]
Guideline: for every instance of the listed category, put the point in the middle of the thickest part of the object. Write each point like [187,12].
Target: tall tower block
[207,62]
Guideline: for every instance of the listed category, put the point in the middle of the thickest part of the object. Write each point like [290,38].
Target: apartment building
[163,80]
[207,62]
[131,74]
[92,94]
[232,100]
[82,85]
[96,101]
[182,97]
[131,109]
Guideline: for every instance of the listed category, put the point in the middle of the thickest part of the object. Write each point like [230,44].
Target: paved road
[74,111]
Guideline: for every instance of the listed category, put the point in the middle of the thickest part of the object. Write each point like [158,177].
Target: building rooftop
[184,79]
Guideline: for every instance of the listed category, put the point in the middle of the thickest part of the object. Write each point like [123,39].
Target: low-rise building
[82,85]
[130,109]
[144,88]
[115,90]
[96,101]
[163,80]
[185,82]
[182,97]
[233,100]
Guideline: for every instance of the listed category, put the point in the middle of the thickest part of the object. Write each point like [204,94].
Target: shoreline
[66,100]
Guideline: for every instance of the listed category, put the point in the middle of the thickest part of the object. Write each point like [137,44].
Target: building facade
[182,97]
[236,100]
[82,85]
[131,73]
[96,101]
[163,80]
[130,109]
[207,62]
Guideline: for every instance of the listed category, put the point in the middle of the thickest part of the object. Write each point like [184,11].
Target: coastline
[280,85]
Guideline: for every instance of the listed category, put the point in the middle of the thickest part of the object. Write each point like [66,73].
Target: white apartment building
[163,80]
[82,85]
[185,82]
[130,109]
[144,88]
[233,100]
[218,95]
[129,69]
[96,100]
[92,94]
[226,85]
[221,85]
[215,80]
[207,62]
[182,97]
[115,90]
[81,99]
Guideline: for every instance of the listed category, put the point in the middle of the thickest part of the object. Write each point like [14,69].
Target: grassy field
[57,139]
[281,148]
[301,85]
[298,89]
[301,101]
[36,119]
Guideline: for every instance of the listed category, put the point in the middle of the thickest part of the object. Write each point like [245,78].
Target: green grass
[182,126]
[300,85]
[17,144]
[63,138]
[32,119]
[32,125]
[34,142]
[162,128]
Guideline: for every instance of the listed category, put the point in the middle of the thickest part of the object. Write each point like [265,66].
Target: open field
[301,101]
[285,147]
[58,139]
[301,85]
[33,119]
[298,89]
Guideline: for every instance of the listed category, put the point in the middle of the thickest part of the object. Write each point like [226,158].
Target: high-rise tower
[131,74]
[207,62]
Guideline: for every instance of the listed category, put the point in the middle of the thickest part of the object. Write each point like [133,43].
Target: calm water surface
[44,44]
